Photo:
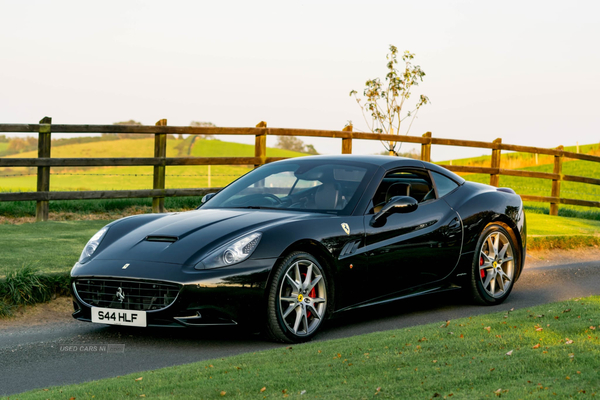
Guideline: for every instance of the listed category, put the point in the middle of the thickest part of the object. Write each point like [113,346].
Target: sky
[524,71]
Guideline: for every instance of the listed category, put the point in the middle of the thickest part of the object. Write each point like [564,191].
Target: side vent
[169,239]
[349,248]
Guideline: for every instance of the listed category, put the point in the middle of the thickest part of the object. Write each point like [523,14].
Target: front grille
[126,294]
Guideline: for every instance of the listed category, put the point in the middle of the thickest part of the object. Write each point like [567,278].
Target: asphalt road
[50,355]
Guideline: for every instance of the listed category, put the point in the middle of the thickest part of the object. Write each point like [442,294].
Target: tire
[297,299]
[494,266]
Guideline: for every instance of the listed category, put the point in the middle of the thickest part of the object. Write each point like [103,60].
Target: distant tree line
[294,144]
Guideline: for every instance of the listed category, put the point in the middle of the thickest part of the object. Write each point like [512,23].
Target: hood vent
[159,238]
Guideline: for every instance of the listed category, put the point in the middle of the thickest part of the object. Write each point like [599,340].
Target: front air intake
[126,294]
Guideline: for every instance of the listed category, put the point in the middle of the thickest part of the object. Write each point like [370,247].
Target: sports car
[295,242]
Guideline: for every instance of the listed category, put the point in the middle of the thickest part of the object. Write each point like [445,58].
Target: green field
[514,160]
[547,351]
[118,178]
[543,187]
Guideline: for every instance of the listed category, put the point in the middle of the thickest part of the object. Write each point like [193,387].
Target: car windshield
[310,185]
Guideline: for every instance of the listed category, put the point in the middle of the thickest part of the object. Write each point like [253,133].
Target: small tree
[384,104]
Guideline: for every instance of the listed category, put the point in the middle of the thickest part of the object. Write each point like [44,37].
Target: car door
[414,248]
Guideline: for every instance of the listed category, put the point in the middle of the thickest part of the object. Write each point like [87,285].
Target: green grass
[52,246]
[80,209]
[550,232]
[543,187]
[554,351]
[518,157]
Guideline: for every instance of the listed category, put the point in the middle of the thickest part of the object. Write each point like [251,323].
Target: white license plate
[113,316]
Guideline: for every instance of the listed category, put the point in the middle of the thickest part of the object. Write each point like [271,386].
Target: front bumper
[224,296]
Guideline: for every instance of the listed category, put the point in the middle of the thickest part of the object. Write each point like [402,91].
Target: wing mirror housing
[396,205]
[206,198]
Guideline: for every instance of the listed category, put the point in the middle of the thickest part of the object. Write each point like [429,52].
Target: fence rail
[44,161]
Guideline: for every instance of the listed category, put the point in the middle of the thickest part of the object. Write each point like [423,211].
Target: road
[52,354]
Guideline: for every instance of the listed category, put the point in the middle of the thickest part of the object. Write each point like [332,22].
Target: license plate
[112,316]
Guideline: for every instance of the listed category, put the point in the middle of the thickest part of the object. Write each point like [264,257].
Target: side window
[443,184]
[405,182]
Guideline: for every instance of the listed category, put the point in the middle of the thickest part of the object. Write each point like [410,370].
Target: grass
[514,160]
[550,232]
[546,351]
[543,187]
[50,247]
[119,178]
[81,209]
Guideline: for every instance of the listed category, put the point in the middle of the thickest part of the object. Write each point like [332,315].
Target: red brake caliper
[482,272]
[312,294]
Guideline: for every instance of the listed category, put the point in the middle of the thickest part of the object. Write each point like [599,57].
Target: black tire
[297,299]
[494,266]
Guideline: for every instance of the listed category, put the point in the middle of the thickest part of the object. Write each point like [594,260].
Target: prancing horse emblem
[120,295]
[346,228]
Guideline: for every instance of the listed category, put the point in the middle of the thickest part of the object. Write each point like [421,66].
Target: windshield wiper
[258,207]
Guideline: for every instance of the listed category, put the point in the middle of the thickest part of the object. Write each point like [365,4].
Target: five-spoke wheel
[297,299]
[494,266]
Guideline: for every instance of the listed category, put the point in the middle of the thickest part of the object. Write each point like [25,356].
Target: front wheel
[297,301]
[493,270]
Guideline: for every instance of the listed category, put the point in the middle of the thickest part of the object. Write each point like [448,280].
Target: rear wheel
[297,302]
[493,270]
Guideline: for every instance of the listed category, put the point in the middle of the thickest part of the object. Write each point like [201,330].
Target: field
[543,187]
[516,160]
[117,178]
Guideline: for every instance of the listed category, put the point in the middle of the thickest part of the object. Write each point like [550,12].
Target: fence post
[260,144]
[426,148]
[43,173]
[556,182]
[160,151]
[347,142]
[495,178]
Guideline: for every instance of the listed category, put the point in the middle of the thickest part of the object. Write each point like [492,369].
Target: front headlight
[231,253]
[92,245]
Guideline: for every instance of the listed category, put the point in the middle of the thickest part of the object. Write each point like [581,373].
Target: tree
[292,143]
[204,125]
[129,135]
[384,104]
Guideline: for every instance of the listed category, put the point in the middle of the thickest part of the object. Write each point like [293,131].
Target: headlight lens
[93,244]
[231,253]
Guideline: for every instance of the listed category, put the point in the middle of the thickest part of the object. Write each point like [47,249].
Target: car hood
[185,238]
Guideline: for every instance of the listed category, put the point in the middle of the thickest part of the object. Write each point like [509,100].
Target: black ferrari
[294,242]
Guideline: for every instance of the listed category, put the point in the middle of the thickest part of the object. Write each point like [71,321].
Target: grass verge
[546,351]
[553,232]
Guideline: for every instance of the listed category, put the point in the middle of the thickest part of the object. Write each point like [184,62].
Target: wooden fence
[44,161]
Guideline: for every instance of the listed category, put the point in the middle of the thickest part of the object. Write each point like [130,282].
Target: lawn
[52,246]
[548,351]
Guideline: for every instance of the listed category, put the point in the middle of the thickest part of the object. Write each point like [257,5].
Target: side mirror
[206,198]
[397,204]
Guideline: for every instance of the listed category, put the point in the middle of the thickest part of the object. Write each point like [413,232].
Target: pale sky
[525,71]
